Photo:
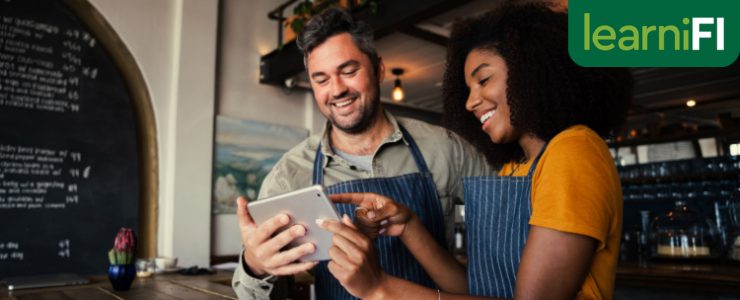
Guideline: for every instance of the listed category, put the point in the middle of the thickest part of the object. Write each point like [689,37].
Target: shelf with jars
[679,171]
[684,210]
[684,234]
[681,228]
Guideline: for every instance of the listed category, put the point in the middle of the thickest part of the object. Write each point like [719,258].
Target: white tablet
[303,206]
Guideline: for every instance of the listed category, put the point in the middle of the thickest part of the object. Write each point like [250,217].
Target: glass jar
[734,226]
[684,234]
[734,253]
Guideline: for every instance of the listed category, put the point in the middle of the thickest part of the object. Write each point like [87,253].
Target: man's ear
[381,70]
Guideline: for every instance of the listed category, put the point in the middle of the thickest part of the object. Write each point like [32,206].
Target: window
[735,149]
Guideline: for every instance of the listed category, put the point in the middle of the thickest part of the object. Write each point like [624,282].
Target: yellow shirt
[576,189]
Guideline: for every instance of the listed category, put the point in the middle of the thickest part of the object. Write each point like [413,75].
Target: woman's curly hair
[546,91]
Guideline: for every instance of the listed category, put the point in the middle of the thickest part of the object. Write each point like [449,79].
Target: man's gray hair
[334,21]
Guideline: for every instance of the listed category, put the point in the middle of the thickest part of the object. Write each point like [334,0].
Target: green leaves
[303,8]
[303,11]
[112,257]
[116,257]
[297,25]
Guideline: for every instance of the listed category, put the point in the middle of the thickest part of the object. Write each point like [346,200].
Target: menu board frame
[144,115]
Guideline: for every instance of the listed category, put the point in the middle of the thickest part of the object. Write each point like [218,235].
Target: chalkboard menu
[69,166]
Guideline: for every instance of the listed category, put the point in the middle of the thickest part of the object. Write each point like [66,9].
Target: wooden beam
[425,35]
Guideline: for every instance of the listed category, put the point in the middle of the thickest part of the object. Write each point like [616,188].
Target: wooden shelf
[715,277]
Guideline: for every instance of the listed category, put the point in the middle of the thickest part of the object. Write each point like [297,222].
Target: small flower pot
[121,276]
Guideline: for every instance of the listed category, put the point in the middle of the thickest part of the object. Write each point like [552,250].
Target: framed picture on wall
[245,152]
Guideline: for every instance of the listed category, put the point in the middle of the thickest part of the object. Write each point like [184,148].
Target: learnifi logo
[654,33]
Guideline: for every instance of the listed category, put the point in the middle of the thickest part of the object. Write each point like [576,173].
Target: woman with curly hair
[549,226]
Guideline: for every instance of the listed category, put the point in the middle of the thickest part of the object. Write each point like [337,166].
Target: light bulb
[397,93]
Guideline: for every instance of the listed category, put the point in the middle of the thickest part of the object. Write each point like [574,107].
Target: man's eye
[350,72]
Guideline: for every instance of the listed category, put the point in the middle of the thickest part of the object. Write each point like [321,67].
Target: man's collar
[397,135]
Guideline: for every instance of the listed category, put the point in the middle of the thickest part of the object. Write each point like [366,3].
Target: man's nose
[338,88]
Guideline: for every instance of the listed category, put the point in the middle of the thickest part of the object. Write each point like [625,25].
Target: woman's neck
[531,145]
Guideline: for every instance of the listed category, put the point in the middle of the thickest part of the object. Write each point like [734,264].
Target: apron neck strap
[536,160]
[415,151]
[318,167]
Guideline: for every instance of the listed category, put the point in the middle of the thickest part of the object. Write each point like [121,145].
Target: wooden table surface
[161,286]
[716,277]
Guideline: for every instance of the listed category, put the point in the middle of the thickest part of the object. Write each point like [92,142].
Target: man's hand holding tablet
[279,234]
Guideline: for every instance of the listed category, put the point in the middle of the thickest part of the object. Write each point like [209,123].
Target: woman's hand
[354,261]
[380,215]
[377,214]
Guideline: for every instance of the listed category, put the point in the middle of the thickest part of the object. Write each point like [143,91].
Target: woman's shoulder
[577,137]
[576,147]
[577,131]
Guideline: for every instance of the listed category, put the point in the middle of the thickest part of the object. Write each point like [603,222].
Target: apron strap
[318,163]
[318,167]
[536,160]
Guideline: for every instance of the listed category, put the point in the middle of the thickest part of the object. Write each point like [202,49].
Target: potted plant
[121,271]
[306,9]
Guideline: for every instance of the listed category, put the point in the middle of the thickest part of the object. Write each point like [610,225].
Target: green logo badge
[655,33]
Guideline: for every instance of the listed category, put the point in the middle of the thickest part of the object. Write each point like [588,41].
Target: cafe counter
[663,280]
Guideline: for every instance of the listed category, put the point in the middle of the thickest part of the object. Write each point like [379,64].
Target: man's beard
[366,119]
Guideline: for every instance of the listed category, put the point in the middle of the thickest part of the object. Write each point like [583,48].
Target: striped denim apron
[415,190]
[497,211]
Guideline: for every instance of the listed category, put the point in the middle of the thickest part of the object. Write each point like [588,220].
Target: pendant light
[397,94]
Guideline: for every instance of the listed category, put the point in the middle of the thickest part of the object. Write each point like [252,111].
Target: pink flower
[125,240]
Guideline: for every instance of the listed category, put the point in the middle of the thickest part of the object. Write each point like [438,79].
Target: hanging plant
[306,9]
[372,4]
